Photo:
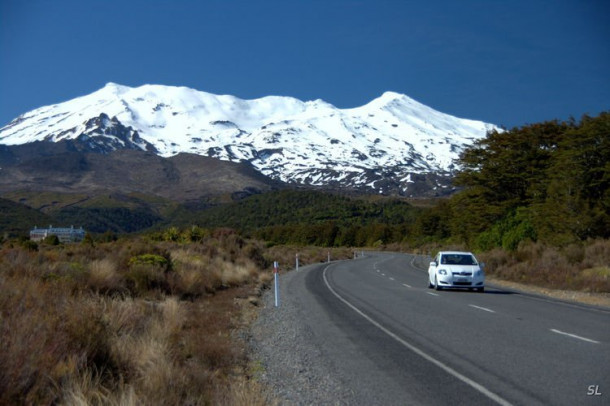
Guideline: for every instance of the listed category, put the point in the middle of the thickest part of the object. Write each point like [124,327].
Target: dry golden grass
[84,325]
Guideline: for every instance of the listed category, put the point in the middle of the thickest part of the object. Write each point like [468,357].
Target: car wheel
[430,285]
[481,290]
[436,285]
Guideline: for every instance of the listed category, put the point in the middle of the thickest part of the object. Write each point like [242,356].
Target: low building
[63,234]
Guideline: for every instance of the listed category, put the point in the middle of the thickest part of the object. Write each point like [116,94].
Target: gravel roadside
[289,360]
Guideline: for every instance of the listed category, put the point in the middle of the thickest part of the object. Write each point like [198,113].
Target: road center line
[482,308]
[575,336]
[416,350]
[433,294]
[406,286]
[391,278]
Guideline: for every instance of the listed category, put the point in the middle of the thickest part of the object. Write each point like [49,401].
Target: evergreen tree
[544,181]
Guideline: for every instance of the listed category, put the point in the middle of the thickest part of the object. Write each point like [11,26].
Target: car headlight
[478,273]
[442,272]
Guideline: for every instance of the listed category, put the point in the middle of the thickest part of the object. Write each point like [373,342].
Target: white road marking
[433,294]
[575,336]
[482,308]
[417,351]
[407,286]
[391,278]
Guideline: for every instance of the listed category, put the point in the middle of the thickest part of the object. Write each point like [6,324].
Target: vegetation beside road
[141,320]
[162,318]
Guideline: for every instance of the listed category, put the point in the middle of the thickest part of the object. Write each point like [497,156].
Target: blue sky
[506,62]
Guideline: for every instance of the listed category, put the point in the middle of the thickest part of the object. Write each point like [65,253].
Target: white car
[456,269]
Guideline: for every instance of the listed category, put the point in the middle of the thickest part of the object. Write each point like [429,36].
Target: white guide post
[277,286]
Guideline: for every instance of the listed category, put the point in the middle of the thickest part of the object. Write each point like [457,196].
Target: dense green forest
[545,182]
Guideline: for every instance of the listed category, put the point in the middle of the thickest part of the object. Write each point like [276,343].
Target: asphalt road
[391,340]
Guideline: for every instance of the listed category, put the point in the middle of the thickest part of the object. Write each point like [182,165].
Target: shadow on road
[488,291]
[498,292]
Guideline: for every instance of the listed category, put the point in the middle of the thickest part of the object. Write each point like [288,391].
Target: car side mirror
[433,263]
[482,265]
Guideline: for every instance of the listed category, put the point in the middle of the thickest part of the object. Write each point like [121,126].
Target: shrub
[142,278]
[29,245]
[51,240]
[149,259]
[597,253]
[574,253]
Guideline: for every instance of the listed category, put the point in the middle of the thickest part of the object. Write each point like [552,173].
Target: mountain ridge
[391,145]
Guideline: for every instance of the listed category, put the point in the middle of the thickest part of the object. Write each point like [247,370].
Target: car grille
[463,273]
[462,283]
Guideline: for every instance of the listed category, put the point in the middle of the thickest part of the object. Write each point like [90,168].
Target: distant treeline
[315,218]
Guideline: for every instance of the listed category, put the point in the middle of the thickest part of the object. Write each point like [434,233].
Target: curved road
[391,340]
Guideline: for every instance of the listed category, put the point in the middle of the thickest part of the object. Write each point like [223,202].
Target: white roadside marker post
[297,262]
[277,286]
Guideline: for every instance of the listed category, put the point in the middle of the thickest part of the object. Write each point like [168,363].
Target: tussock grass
[104,277]
[128,322]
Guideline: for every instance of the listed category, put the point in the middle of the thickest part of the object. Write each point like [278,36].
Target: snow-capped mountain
[385,145]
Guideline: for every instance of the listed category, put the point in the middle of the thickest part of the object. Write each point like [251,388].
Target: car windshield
[458,259]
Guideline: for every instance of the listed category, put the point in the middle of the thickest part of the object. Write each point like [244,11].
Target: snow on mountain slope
[376,146]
